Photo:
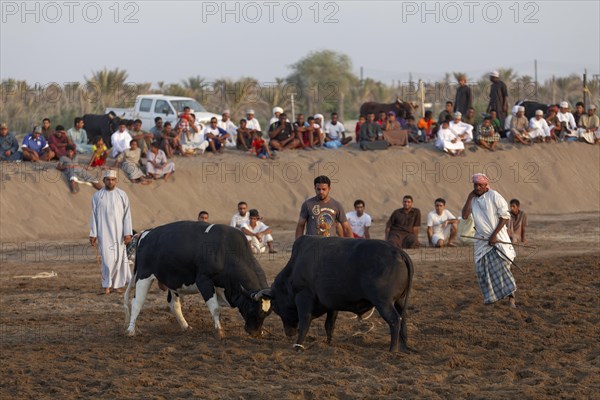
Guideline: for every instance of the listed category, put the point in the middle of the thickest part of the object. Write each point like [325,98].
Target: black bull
[100,125]
[532,106]
[327,275]
[401,108]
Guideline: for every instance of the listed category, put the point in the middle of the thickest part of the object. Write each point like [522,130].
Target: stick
[499,241]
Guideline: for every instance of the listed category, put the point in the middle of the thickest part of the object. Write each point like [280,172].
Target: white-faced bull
[327,275]
[195,257]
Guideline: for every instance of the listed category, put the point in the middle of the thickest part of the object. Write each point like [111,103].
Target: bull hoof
[220,334]
[186,328]
[298,347]
[130,332]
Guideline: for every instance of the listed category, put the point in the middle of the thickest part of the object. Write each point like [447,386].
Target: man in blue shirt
[9,146]
[35,147]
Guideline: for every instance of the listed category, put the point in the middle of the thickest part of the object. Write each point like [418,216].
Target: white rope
[39,275]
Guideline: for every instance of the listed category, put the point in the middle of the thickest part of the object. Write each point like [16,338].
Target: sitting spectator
[539,129]
[120,139]
[508,120]
[157,165]
[74,172]
[317,137]
[228,126]
[519,127]
[442,225]
[47,130]
[361,120]
[447,113]
[427,125]
[448,141]
[320,121]
[143,139]
[276,113]
[58,142]
[335,133]
[371,135]
[579,112]
[258,234]
[462,130]
[193,140]
[382,119]
[9,145]
[553,123]
[517,222]
[393,132]
[414,134]
[496,122]
[244,136]
[252,123]
[590,131]
[215,136]
[488,137]
[171,143]
[281,135]
[130,162]
[261,148]
[203,216]
[303,133]
[79,138]
[99,153]
[359,220]
[402,228]
[567,121]
[241,217]
[469,117]
[35,147]
[157,129]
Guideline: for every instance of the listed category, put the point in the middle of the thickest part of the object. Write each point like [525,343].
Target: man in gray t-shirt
[321,215]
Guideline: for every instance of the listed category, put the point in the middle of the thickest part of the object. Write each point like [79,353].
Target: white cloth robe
[461,128]
[539,128]
[110,223]
[444,140]
[120,142]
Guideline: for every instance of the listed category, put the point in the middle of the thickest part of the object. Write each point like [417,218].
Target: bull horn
[260,294]
[244,291]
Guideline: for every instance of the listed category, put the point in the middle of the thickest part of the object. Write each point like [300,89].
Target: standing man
[111,230]
[241,217]
[322,215]
[498,97]
[492,257]
[402,229]
[464,96]
[359,220]
[518,222]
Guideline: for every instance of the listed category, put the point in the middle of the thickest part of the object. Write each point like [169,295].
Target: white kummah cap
[250,111]
[521,108]
[277,110]
[539,112]
[457,114]
[495,74]
[564,104]
[592,107]
[226,112]
[110,173]
[317,116]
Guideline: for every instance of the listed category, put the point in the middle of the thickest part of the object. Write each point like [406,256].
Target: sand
[58,338]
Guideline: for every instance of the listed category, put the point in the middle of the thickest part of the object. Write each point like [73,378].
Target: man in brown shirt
[402,229]
[517,223]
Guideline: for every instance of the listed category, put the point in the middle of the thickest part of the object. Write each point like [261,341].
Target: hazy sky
[169,41]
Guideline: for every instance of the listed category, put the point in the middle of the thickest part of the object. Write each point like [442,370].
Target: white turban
[277,110]
[317,116]
[495,74]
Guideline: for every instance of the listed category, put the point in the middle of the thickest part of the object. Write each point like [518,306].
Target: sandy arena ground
[59,339]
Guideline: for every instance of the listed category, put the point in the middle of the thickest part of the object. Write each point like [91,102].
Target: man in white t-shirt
[251,122]
[258,234]
[241,217]
[335,133]
[441,225]
[228,126]
[359,220]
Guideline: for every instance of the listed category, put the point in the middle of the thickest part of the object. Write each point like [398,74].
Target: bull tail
[126,303]
[409,266]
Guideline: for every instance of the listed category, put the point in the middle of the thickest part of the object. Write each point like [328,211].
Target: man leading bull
[493,252]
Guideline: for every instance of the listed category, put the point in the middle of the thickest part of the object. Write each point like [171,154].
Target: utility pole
[536,79]
[585,89]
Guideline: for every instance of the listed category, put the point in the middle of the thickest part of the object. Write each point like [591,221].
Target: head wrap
[495,74]
[480,179]
[277,110]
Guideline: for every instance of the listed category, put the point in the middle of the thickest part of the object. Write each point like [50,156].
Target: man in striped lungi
[494,254]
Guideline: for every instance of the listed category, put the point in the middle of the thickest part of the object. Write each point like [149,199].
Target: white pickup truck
[149,106]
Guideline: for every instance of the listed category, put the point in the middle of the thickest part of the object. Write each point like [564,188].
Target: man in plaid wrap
[492,258]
